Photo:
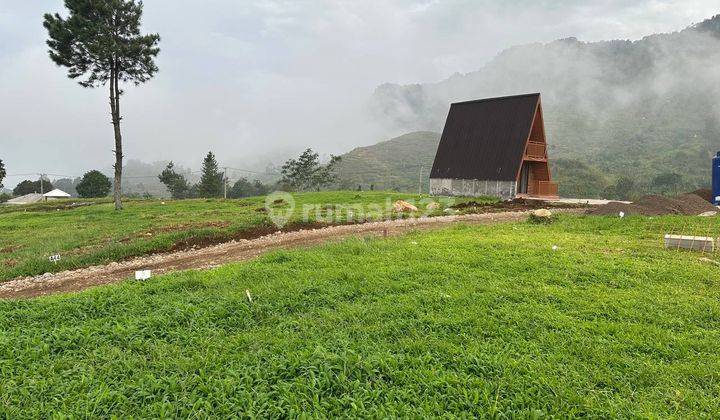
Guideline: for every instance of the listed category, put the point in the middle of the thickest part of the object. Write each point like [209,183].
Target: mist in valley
[634,109]
[258,82]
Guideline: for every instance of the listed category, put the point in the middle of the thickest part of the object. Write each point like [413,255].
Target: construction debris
[541,216]
[541,213]
[708,260]
[693,243]
[401,206]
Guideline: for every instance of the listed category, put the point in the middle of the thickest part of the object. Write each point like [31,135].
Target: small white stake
[247,293]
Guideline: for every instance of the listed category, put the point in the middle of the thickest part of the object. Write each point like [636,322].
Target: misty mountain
[634,109]
[403,163]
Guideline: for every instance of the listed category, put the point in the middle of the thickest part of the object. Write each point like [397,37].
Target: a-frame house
[494,147]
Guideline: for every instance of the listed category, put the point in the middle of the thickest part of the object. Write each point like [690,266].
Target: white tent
[55,194]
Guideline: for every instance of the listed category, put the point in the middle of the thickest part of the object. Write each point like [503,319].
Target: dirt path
[75,280]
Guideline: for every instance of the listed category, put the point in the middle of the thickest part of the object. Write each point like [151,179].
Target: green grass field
[97,234]
[483,321]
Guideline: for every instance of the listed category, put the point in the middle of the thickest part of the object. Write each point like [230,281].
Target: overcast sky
[252,79]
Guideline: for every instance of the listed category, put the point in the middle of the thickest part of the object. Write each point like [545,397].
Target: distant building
[25,199]
[56,194]
[36,198]
[494,147]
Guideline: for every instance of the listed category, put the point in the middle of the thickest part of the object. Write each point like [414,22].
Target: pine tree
[211,182]
[2,173]
[100,42]
[306,173]
[174,182]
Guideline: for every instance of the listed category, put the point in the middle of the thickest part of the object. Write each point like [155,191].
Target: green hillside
[395,164]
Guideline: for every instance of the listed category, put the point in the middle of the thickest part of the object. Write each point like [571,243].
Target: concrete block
[693,243]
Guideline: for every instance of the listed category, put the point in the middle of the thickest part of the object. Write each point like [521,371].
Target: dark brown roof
[485,139]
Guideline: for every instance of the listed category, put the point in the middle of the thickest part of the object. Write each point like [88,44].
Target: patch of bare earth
[689,204]
[235,250]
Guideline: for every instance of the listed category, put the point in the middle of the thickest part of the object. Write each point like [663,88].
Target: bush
[29,187]
[94,185]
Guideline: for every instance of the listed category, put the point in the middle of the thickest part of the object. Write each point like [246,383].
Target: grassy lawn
[97,234]
[481,320]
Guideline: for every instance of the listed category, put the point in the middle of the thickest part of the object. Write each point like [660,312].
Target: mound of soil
[704,193]
[655,205]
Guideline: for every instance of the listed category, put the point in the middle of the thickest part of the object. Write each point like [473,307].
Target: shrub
[94,185]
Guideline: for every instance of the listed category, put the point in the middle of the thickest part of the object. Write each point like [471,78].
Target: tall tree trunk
[115,111]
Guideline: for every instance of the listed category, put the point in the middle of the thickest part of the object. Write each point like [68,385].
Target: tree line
[305,173]
[578,179]
[94,184]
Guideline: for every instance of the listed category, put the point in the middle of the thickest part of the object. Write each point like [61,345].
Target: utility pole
[225,182]
[42,185]
[420,181]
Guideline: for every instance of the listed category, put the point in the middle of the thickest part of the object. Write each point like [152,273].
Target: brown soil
[704,193]
[654,205]
[187,226]
[518,204]
[235,250]
[9,249]
[196,242]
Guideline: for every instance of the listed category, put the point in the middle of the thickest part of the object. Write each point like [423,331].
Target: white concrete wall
[473,187]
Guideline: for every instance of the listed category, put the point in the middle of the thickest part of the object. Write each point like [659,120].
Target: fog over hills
[613,109]
[626,108]
[258,84]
